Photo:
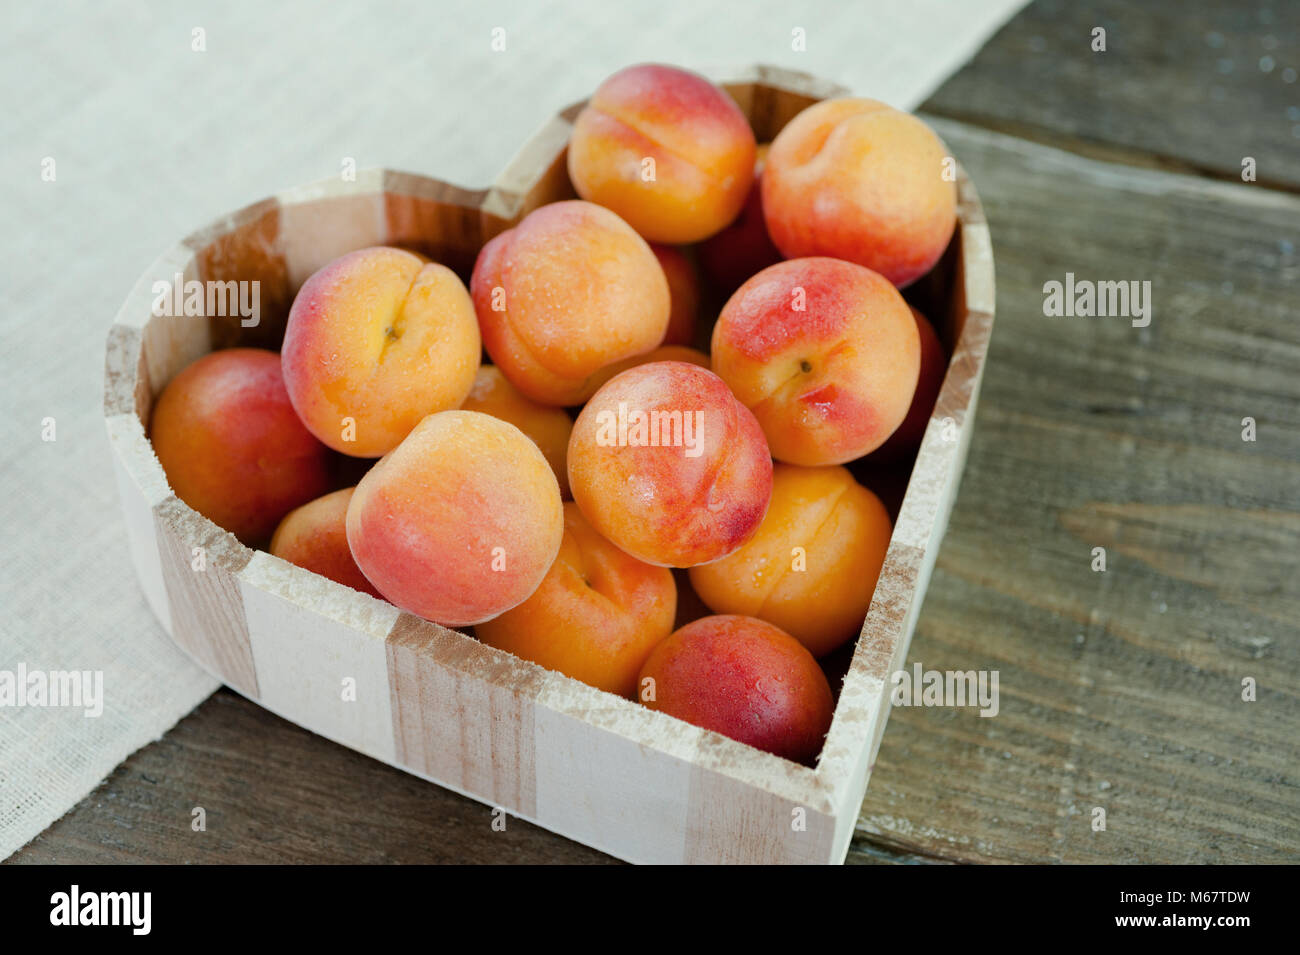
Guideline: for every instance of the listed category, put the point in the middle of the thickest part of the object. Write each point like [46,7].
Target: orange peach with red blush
[743,678]
[825,353]
[684,353]
[666,149]
[314,537]
[231,445]
[934,365]
[692,356]
[669,466]
[743,248]
[858,180]
[812,566]
[596,616]
[569,290]
[683,294]
[376,340]
[548,427]
[460,522]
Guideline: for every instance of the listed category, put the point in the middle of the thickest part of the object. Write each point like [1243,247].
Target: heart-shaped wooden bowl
[591,766]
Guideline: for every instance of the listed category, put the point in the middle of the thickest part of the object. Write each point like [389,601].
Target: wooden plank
[595,786]
[326,219]
[732,823]
[170,341]
[1186,86]
[200,567]
[651,788]
[433,218]
[139,495]
[463,712]
[1120,690]
[330,663]
[247,248]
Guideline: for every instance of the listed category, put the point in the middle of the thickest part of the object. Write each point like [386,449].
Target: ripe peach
[744,248]
[666,149]
[567,291]
[376,340]
[662,353]
[824,352]
[934,365]
[596,616]
[460,522]
[743,678]
[548,427]
[314,536]
[855,179]
[692,356]
[812,567]
[231,445]
[669,466]
[683,294]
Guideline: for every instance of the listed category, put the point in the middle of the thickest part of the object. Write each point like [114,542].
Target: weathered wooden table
[1120,690]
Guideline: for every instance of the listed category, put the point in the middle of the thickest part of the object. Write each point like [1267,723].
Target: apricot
[231,445]
[683,294]
[858,180]
[376,340]
[666,149]
[825,353]
[669,466]
[743,678]
[314,536]
[812,566]
[663,353]
[934,366]
[596,616]
[549,427]
[569,290]
[744,248]
[692,356]
[460,522]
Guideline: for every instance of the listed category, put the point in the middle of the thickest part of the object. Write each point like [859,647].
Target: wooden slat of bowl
[591,766]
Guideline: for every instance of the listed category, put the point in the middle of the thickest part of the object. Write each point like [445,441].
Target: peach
[683,294]
[744,248]
[684,353]
[858,180]
[666,149]
[376,340]
[824,352]
[663,353]
[231,445]
[669,466]
[812,567]
[459,522]
[596,616]
[548,427]
[566,292]
[934,365]
[314,536]
[743,678]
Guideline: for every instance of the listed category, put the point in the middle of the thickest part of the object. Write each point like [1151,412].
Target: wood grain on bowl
[589,765]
